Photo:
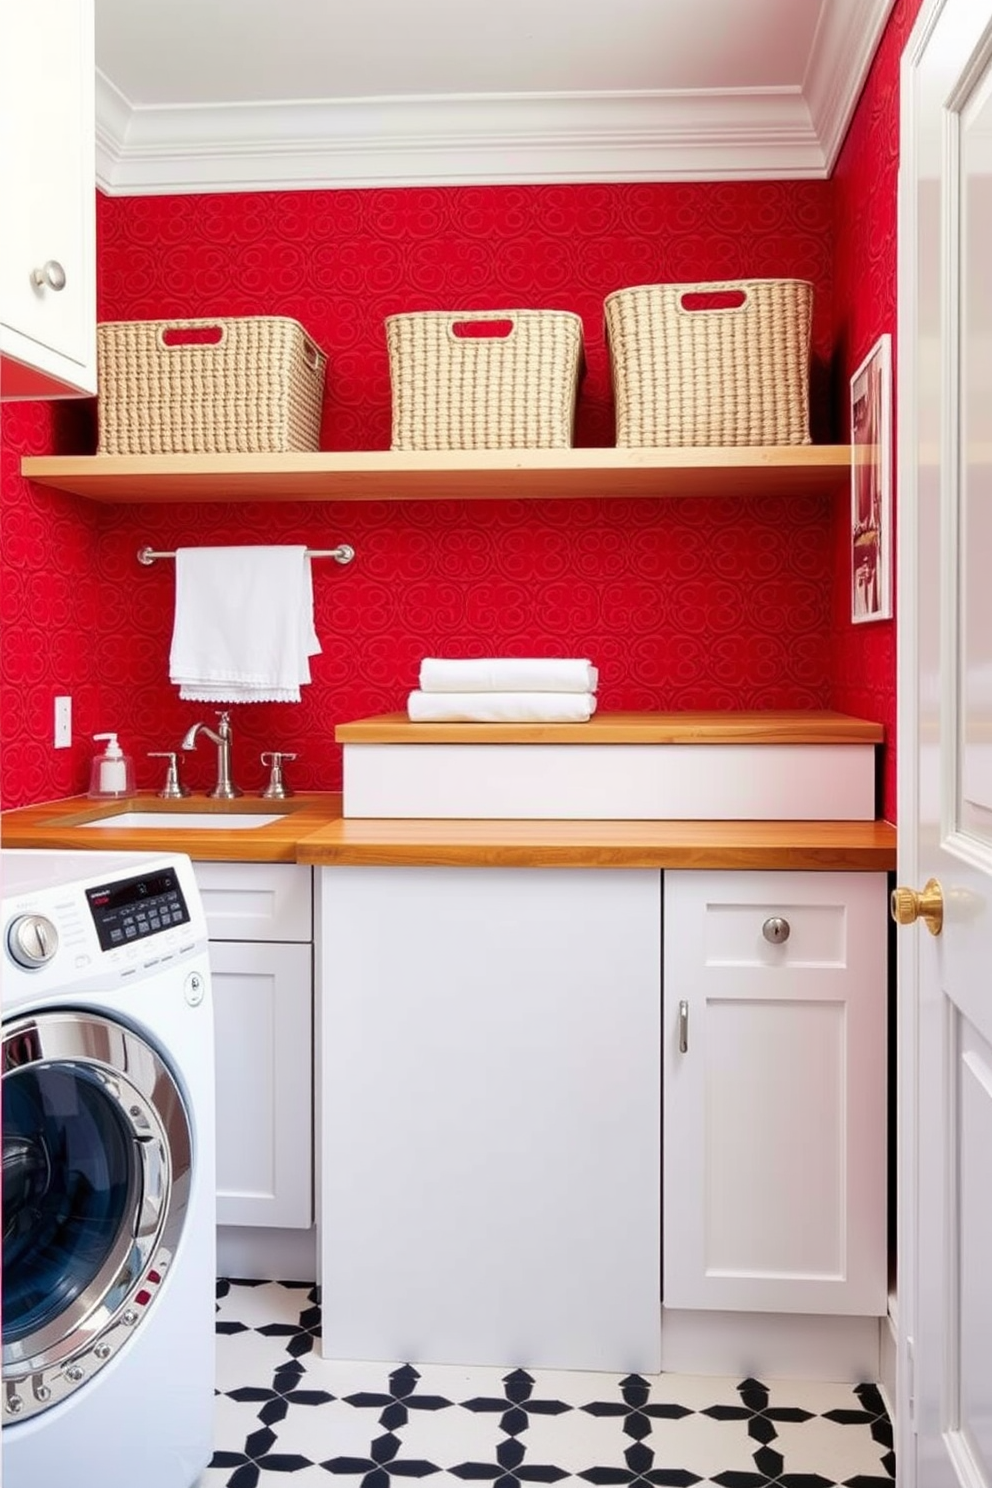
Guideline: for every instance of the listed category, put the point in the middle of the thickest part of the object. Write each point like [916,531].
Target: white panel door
[264,1060]
[490,1137]
[945,723]
[775,1092]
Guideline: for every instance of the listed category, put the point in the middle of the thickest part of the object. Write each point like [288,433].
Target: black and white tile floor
[287,1416]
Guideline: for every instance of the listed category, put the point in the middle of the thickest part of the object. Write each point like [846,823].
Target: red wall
[864,181]
[719,603]
[51,600]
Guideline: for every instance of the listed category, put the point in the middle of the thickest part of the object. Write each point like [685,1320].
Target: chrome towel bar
[341,554]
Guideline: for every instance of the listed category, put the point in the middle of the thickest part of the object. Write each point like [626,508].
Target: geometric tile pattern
[285,1416]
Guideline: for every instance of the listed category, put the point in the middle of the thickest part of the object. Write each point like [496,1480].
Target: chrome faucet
[225,789]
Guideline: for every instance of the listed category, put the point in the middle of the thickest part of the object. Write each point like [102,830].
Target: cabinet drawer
[257,901]
[760,921]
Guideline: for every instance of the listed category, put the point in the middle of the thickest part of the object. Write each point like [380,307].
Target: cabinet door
[263,1018]
[775,1092]
[490,1090]
[256,901]
[47,180]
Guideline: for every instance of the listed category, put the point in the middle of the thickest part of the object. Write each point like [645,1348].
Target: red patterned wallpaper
[50,607]
[718,603]
[682,604]
[864,656]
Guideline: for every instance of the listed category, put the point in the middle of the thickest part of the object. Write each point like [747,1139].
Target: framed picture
[871,485]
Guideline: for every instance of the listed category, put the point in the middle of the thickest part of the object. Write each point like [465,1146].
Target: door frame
[908,652]
[907,773]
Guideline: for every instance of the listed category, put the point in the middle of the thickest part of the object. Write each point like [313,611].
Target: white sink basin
[217,821]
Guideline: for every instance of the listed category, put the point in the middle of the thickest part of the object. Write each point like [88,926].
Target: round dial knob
[32,940]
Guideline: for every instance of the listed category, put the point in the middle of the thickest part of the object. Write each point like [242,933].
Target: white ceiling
[197,95]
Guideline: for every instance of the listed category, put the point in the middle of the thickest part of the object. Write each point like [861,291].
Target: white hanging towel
[508,674]
[501,707]
[244,629]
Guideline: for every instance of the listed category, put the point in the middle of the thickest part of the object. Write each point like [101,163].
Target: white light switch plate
[63,722]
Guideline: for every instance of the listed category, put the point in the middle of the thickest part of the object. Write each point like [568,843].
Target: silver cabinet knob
[32,940]
[776,930]
[51,274]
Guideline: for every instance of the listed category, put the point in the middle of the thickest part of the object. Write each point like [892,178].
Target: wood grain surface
[313,831]
[407,475]
[624,728]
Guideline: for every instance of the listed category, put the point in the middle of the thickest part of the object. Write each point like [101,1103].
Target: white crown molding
[706,135]
[512,139]
[113,116]
[846,41]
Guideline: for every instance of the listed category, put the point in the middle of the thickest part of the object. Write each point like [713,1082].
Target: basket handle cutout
[722,300]
[198,333]
[500,328]
[311,356]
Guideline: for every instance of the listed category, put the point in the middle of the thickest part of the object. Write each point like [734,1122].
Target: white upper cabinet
[47,186]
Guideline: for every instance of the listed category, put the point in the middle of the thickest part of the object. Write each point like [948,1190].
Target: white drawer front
[257,901]
[743,932]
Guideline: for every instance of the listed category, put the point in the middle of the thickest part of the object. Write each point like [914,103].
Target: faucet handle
[173,789]
[277,789]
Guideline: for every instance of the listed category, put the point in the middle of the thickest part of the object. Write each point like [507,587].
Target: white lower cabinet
[490,1096]
[260,922]
[774,1075]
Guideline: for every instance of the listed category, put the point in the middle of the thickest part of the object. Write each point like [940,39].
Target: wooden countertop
[625,728]
[853,846]
[69,824]
[313,831]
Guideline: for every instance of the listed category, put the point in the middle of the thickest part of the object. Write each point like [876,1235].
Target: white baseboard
[771,1345]
[259,1254]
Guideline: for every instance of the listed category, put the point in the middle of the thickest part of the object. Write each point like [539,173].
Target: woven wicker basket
[255,386]
[711,376]
[512,390]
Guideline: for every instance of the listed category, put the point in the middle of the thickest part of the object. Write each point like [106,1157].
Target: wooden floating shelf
[400,475]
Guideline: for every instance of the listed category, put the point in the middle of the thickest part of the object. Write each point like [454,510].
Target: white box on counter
[611,781]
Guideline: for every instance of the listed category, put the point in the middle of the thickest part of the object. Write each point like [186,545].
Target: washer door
[97,1150]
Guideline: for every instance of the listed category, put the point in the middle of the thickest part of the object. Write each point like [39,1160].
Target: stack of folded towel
[244,624]
[505,690]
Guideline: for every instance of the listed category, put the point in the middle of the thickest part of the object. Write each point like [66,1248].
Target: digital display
[133,909]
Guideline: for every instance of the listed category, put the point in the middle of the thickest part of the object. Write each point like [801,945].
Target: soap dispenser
[112,775]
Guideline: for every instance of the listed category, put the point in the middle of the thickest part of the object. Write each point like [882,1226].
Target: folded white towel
[508,674]
[501,707]
[243,630]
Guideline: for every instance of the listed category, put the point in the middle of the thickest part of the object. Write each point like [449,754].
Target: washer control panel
[131,910]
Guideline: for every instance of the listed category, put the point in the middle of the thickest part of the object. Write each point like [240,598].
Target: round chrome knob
[75,1373]
[32,940]
[927,904]
[776,930]
[51,275]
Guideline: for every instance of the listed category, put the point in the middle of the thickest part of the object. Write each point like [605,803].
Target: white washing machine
[108,1172]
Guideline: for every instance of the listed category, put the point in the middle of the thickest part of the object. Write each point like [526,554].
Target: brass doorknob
[927,905]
